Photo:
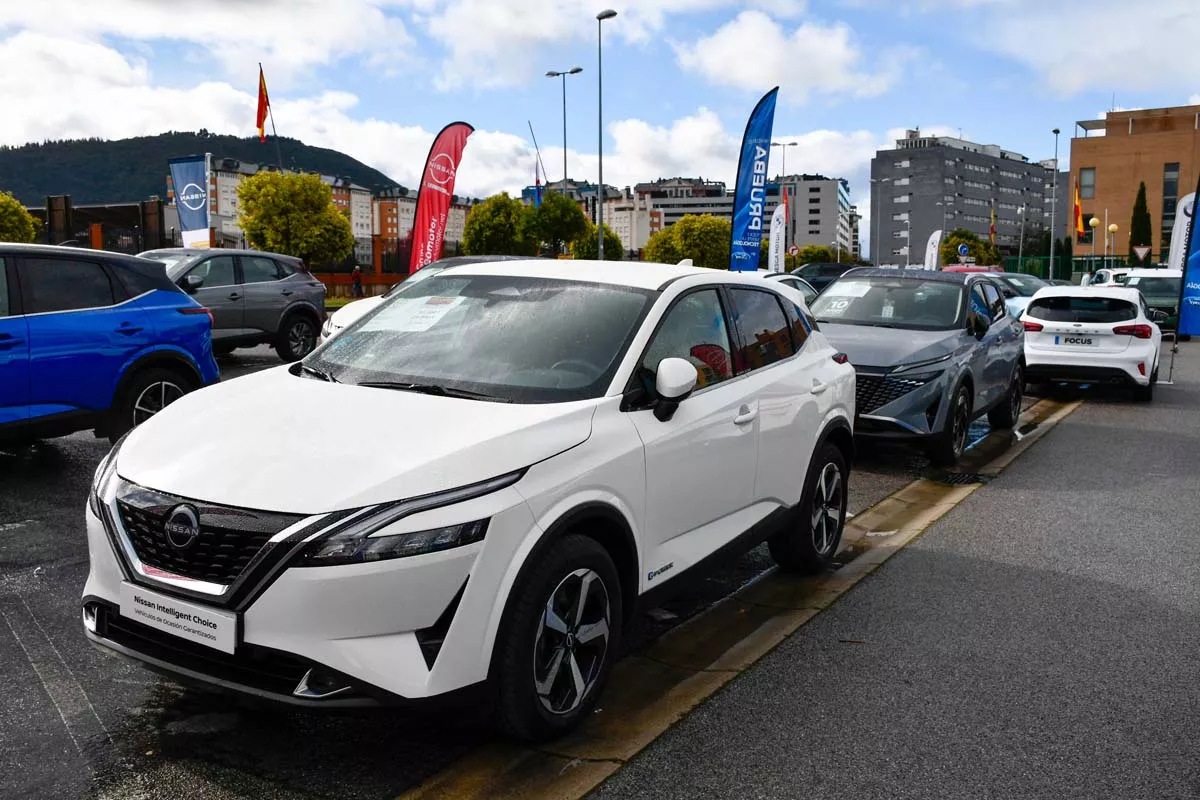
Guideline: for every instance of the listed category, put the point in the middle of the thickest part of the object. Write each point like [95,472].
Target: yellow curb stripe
[650,691]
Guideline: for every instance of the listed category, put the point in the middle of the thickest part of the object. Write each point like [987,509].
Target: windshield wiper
[318,373]
[432,388]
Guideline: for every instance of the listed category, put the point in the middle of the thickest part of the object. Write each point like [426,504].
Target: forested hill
[125,170]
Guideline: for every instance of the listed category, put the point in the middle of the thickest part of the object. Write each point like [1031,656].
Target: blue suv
[93,340]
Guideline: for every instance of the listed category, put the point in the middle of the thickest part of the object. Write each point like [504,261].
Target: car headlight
[929,362]
[105,472]
[360,539]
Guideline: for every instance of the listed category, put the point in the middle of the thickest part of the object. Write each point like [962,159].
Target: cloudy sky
[377,78]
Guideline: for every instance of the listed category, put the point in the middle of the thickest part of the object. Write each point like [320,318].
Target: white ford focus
[523,450]
[1093,335]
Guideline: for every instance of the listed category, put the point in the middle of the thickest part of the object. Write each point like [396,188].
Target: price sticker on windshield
[848,289]
[836,307]
[414,316]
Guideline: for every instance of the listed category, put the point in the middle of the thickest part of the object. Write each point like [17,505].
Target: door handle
[129,330]
[234,296]
[747,413]
[819,386]
[287,293]
[9,342]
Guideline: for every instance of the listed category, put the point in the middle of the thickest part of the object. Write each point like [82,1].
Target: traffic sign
[1141,251]
[794,250]
[966,259]
[963,250]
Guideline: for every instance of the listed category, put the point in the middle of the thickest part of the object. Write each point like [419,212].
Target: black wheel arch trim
[302,307]
[833,426]
[166,359]
[577,519]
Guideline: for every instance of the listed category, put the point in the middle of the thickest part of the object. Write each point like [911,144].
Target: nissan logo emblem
[192,197]
[182,527]
[441,169]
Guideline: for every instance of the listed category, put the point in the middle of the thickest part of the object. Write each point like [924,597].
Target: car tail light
[841,358]
[1033,326]
[199,310]
[1136,331]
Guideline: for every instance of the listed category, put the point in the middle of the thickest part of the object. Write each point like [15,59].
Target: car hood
[868,346]
[276,442]
[352,312]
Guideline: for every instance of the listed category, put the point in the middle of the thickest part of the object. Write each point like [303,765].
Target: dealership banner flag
[1183,220]
[750,192]
[189,178]
[778,232]
[933,250]
[1189,300]
[437,191]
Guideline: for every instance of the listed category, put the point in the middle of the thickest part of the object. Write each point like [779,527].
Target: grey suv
[255,297]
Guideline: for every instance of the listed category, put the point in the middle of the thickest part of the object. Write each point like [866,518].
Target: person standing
[356,287]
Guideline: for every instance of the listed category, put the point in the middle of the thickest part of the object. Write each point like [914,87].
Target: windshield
[416,277]
[516,339]
[1155,287]
[891,302]
[1082,309]
[1023,285]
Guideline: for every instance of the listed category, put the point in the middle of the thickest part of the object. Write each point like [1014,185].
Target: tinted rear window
[1082,309]
[1155,286]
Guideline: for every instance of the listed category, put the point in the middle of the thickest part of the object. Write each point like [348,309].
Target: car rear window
[1155,286]
[1082,309]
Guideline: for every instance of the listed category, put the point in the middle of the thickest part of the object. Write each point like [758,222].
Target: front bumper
[900,407]
[1119,368]
[381,632]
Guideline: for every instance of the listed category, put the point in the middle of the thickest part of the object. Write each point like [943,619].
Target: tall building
[926,183]
[354,201]
[855,244]
[820,211]
[679,197]
[1111,157]
[635,219]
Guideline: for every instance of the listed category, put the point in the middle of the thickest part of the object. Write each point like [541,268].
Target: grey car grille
[875,391]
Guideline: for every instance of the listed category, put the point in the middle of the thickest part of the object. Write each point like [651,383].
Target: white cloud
[811,59]
[1194,100]
[98,79]
[502,42]
[289,36]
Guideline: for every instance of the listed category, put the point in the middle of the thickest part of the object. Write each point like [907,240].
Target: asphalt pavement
[1041,641]
[79,723]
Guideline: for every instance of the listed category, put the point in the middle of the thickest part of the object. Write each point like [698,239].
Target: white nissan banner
[933,250]
[778,232]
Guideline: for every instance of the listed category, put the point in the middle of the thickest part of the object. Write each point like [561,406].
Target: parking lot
[80,723]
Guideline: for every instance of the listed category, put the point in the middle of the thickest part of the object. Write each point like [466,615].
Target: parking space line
[653,689]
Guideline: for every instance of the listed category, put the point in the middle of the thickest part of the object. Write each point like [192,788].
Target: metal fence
[1039,266]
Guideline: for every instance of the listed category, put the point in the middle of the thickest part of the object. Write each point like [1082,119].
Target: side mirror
[675,380]
[1159,317]
[977,326]
[192,282]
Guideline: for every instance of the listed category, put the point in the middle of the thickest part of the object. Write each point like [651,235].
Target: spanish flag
[264,105]
[1078,213]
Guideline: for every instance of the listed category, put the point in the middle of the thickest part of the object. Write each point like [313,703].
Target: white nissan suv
[523,450]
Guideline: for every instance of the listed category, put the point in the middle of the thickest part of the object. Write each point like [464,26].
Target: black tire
[528,641]
[297,337]
[807,546]
[948,444]
[145,395]
[1005,415]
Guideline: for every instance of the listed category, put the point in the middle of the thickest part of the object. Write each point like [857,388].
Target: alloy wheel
[1016,392]
[301,338]
[572,641]
[960,422]
[155,398]
[827,509]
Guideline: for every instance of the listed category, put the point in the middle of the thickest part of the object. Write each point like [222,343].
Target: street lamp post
[563,76]
[607,13]
[1021,237]
[1053,203]
[1094,223]
[783,146]
[1112,230]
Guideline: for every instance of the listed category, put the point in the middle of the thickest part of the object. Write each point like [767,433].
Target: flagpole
[274,133]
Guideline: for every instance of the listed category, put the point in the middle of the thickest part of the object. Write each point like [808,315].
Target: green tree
[557,221]
[16,224]
[815,254]
[1140,229]
[982,251]
[294,215]
[586,246]
[700,237]
[497,227]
